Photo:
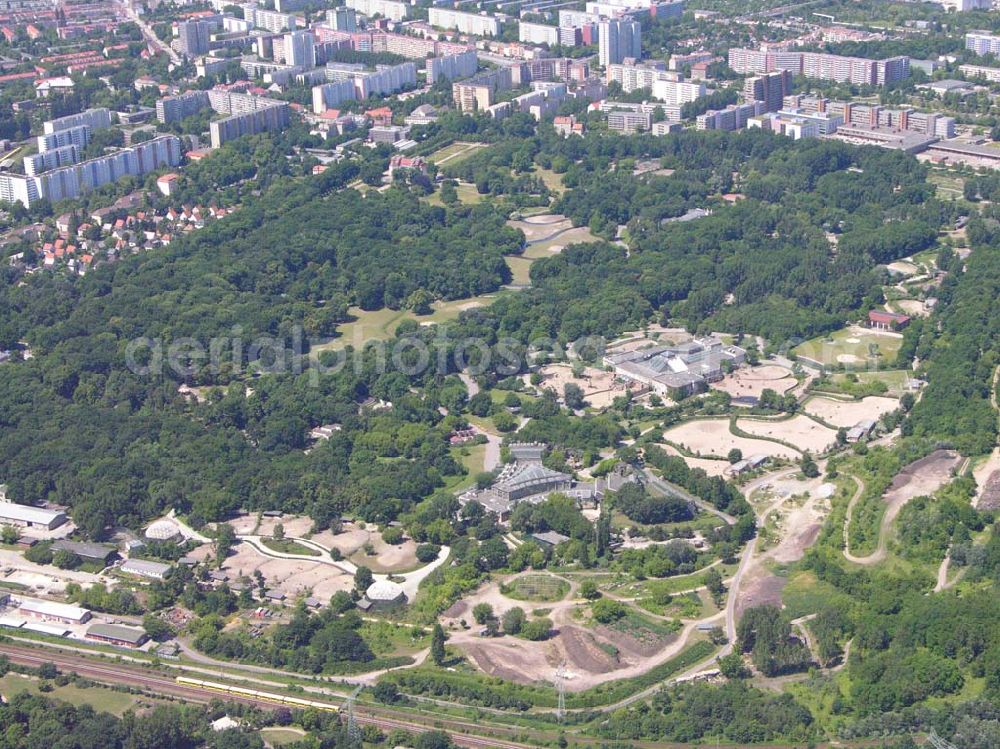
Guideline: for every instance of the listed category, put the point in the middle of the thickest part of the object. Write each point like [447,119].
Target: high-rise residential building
[95,119]
[51,159]
[391,9]
[78,136]
[72,181]
[617,40]
[192,37]
[342,19]
[353,81]
[300,49]
[538,33]
[177,108]
[271,20]
[449,67]
[467,23]
[478,93]
[269,117]
[733,117]
[770,88]
[857,70]
[982,43]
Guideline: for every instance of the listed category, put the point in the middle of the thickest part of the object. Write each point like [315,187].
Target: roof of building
[131,635]
[51,608]
[83,549]
[533,473]
[55,630]
[162,530]
[145,567]
[384,590]
[27,513]
[882,316]
[550,537]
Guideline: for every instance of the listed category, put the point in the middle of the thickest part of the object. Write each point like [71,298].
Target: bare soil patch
[799,430]
[752,381]
[712,437]
[849,413]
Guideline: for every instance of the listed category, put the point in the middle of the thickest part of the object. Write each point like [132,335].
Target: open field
[380,325]
[709,466]
[853,347]
[894,379]
[467,194]
[520,269]
[712,437]
[848,413]
[536,587]
[949,186]
[281,736]
[552,180]
[752,381]
[100,698]
[385,558]
[799,430]
[454,153]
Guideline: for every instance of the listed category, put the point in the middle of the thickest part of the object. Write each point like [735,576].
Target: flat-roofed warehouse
[145,568]
[56,612]
[88,552]
[129,637]
[26,516]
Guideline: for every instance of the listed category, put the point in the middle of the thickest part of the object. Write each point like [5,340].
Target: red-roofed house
[881,320]
[380,116]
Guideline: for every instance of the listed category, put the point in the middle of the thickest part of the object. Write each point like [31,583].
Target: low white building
[145,568]
[54,612]
[26,516]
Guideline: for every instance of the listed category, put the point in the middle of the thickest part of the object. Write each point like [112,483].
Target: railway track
[111,674]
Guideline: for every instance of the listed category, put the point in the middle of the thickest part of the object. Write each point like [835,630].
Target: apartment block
[478,93]
[269,118]
[51,159]
[980,71]
[176,108]
[95,119]
[78,136]
[342,19]
[770,88]
[857,70]
[300,50]
[466,23]
[352,81]
[617,40]
[391,9]
[449,67]
[627,122]
[192,37]
[538,33]
[78,179]
[271,20]
[982,43]
[733,117]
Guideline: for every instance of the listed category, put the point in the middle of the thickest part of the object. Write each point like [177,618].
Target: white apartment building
[538,33]
[449,67]
[391,9]
[95,119]
[466,23]
[982,43]
[300,49]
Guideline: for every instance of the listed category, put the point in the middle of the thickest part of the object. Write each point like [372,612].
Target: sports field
[854,347]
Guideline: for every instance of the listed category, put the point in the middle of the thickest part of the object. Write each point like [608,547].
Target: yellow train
[280,699]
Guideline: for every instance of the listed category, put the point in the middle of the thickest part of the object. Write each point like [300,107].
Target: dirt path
[942,574]
[879,554]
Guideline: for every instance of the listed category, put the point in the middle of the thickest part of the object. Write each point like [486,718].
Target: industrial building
[26,516]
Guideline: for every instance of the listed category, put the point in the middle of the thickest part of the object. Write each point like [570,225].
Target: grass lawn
[853,347]
[467,194]
[287,546]
[454,153]
[380,325]
[280,736]
[805,594]
[390,639]
[895,379]
[949,186]
[520,267]
[552,180]
[100,698]
[473,457]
